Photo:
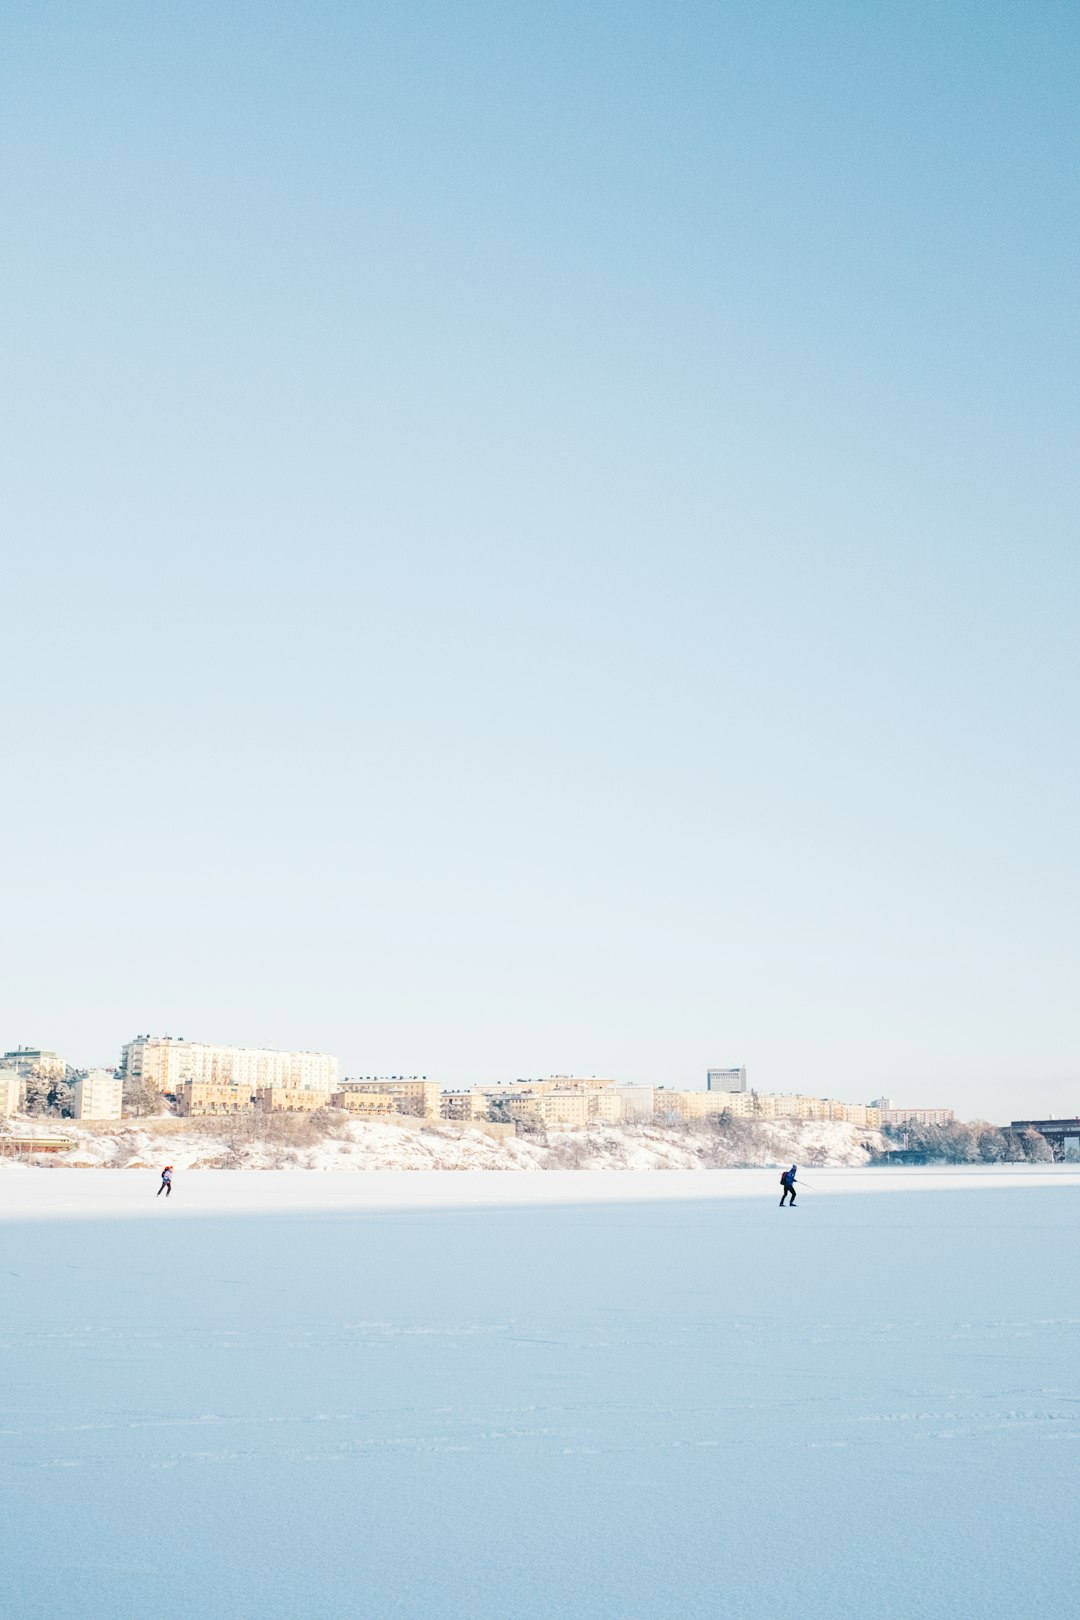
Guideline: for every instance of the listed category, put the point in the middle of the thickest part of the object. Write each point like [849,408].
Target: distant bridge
[1063,1135]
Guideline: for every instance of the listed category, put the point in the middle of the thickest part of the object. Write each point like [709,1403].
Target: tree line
[977,1143]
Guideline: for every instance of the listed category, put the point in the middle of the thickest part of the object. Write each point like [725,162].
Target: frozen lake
[590,1396]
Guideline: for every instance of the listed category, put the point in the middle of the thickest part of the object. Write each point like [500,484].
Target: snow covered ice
[488,1396]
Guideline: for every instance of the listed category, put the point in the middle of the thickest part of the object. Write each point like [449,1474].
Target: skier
[166,1183]
[787,1181]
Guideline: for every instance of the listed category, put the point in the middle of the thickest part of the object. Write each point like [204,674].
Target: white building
[169,1063]
[10,1092]
[98,1095]
[891,1115]
[28,1060]
[636,1101]
[726,1079]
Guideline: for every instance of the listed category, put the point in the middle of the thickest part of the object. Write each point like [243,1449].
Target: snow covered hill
[410,1145]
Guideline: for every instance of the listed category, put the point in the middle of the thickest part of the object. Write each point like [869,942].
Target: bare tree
[140,1097]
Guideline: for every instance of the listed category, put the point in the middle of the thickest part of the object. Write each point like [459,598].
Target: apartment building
[28,1060]
[566,1103]
[367,1104]
[98,1095]
[11,1085]
[417,1097]
[196,1097]
[568,1107]
[207,1097]
[726,1079]
[762,1105]
[912,1116]
[289,1099]
[169,1063]
[568,1110]
[464,1105]
[688,1104]
[637,1102]
[571,1082]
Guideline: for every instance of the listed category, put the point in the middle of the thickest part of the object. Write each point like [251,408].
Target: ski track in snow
[544,1407]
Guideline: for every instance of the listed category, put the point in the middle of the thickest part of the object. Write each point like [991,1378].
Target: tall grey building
[726,1079]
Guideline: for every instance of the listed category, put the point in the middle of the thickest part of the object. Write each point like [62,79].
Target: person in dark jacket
[787,1181]
[166,1182]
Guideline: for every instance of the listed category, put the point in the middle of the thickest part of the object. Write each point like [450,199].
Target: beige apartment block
[98,1095]
[289,1099]
[27,1060]
[762,1105]
[205,1097]
[703,1104]
[566,1109]
[864,1114]
[553,1082]
[739,1104]
[917,1116]
[464,1105]
[417,1097]
[788,1105]
[798,1106]
[369,1104]
[605,1107]
[689,1104]
[564,1104]
[637,1102]
[572,1082]
[10,1092]
[171,1063]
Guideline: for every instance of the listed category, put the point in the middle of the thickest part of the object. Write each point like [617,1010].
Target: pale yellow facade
[10,1092]
[98,1095]
[571,1082]
[170,1064]
[417,1097]
[689,1104]
[638,1103]
[605,1107]
[207,1097]
[464,1105]
[27,1060]
[289,1099]
[917,1116]
[203,1097]
[568,1109]
[369,1104]
[763,1105]
[570,1104]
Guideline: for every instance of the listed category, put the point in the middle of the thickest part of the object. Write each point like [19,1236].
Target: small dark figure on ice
[787,1181]
[166,1183]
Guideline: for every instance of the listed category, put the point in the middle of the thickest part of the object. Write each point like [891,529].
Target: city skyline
[172,1062]
[547,538]
[694,1077]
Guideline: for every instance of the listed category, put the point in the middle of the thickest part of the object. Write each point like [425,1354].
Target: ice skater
[166,1183]
[787,1181]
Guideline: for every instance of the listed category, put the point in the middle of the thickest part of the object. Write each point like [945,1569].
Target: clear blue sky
[544,538]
